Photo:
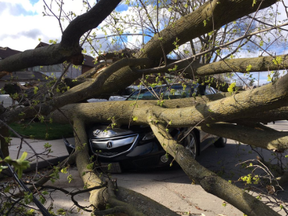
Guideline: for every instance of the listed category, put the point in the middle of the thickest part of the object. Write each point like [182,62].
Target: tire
[220,143]
[191,143]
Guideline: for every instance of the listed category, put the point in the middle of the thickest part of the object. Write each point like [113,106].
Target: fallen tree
[236,115]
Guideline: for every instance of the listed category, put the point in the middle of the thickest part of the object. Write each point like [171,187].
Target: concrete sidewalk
[35,147]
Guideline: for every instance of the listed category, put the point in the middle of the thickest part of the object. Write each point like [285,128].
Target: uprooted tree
[213,31]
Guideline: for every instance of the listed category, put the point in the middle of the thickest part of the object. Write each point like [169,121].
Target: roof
[41,44]
[6,52]
[88,61]
[22,76]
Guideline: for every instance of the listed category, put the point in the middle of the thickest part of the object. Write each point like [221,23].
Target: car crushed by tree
[135,146]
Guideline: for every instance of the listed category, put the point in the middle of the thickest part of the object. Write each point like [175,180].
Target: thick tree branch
[239,106]
[49,55]
[209,181]
[87,21]
[191,25]
[267,139]
[83,91]
[185,29]
[134,203]
[68,49]
[190,68]
[242,64]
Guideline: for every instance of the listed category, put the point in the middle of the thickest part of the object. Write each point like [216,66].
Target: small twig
[73,194]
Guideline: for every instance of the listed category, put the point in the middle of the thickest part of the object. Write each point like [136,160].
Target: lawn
[45,131]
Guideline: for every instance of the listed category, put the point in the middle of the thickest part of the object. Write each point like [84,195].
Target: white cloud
[21,31]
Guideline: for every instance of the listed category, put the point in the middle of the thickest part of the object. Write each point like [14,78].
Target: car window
[209,90]
[144,95]
[172,92]
[178,92]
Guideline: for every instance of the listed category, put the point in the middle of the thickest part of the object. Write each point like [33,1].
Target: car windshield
[164,92]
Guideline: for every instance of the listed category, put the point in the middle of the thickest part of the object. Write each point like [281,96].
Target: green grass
[45,131]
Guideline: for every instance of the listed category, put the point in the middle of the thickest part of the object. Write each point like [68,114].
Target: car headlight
[149,136]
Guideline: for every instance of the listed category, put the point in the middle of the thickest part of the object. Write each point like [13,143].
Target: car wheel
[191,143]
[220,143]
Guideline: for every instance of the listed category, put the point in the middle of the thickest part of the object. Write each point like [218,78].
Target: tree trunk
[208,180]
[4,145]
[122,199]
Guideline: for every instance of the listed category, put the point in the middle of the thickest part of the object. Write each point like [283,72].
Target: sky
[23,24]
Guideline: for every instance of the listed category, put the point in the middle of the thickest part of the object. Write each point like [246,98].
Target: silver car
[136,147]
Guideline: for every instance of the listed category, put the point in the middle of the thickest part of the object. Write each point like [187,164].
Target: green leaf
[35,89]
[47,146]
[205,23]
[64,170]
[23,157]
[269,78]
[109,166]
[261,43]
[231,87]
[6,189]
[2,167]
[42,200]
[90,166]
[278,60]
[19,164]
[69,178]
[61,211]
[248,68]
[28,197]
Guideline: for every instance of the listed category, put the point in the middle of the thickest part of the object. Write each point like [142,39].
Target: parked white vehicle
[6,100]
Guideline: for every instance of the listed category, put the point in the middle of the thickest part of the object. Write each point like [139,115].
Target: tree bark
[208,180]
[125,200]
[199,112]
[4,145]
[266,139]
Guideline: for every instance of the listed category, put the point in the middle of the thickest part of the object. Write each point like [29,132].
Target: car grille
[113,147]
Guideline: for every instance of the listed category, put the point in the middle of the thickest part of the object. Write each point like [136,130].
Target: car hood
[103,132]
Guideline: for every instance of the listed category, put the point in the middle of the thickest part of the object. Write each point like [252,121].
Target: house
[56,70]
[40,73]
[6,52]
